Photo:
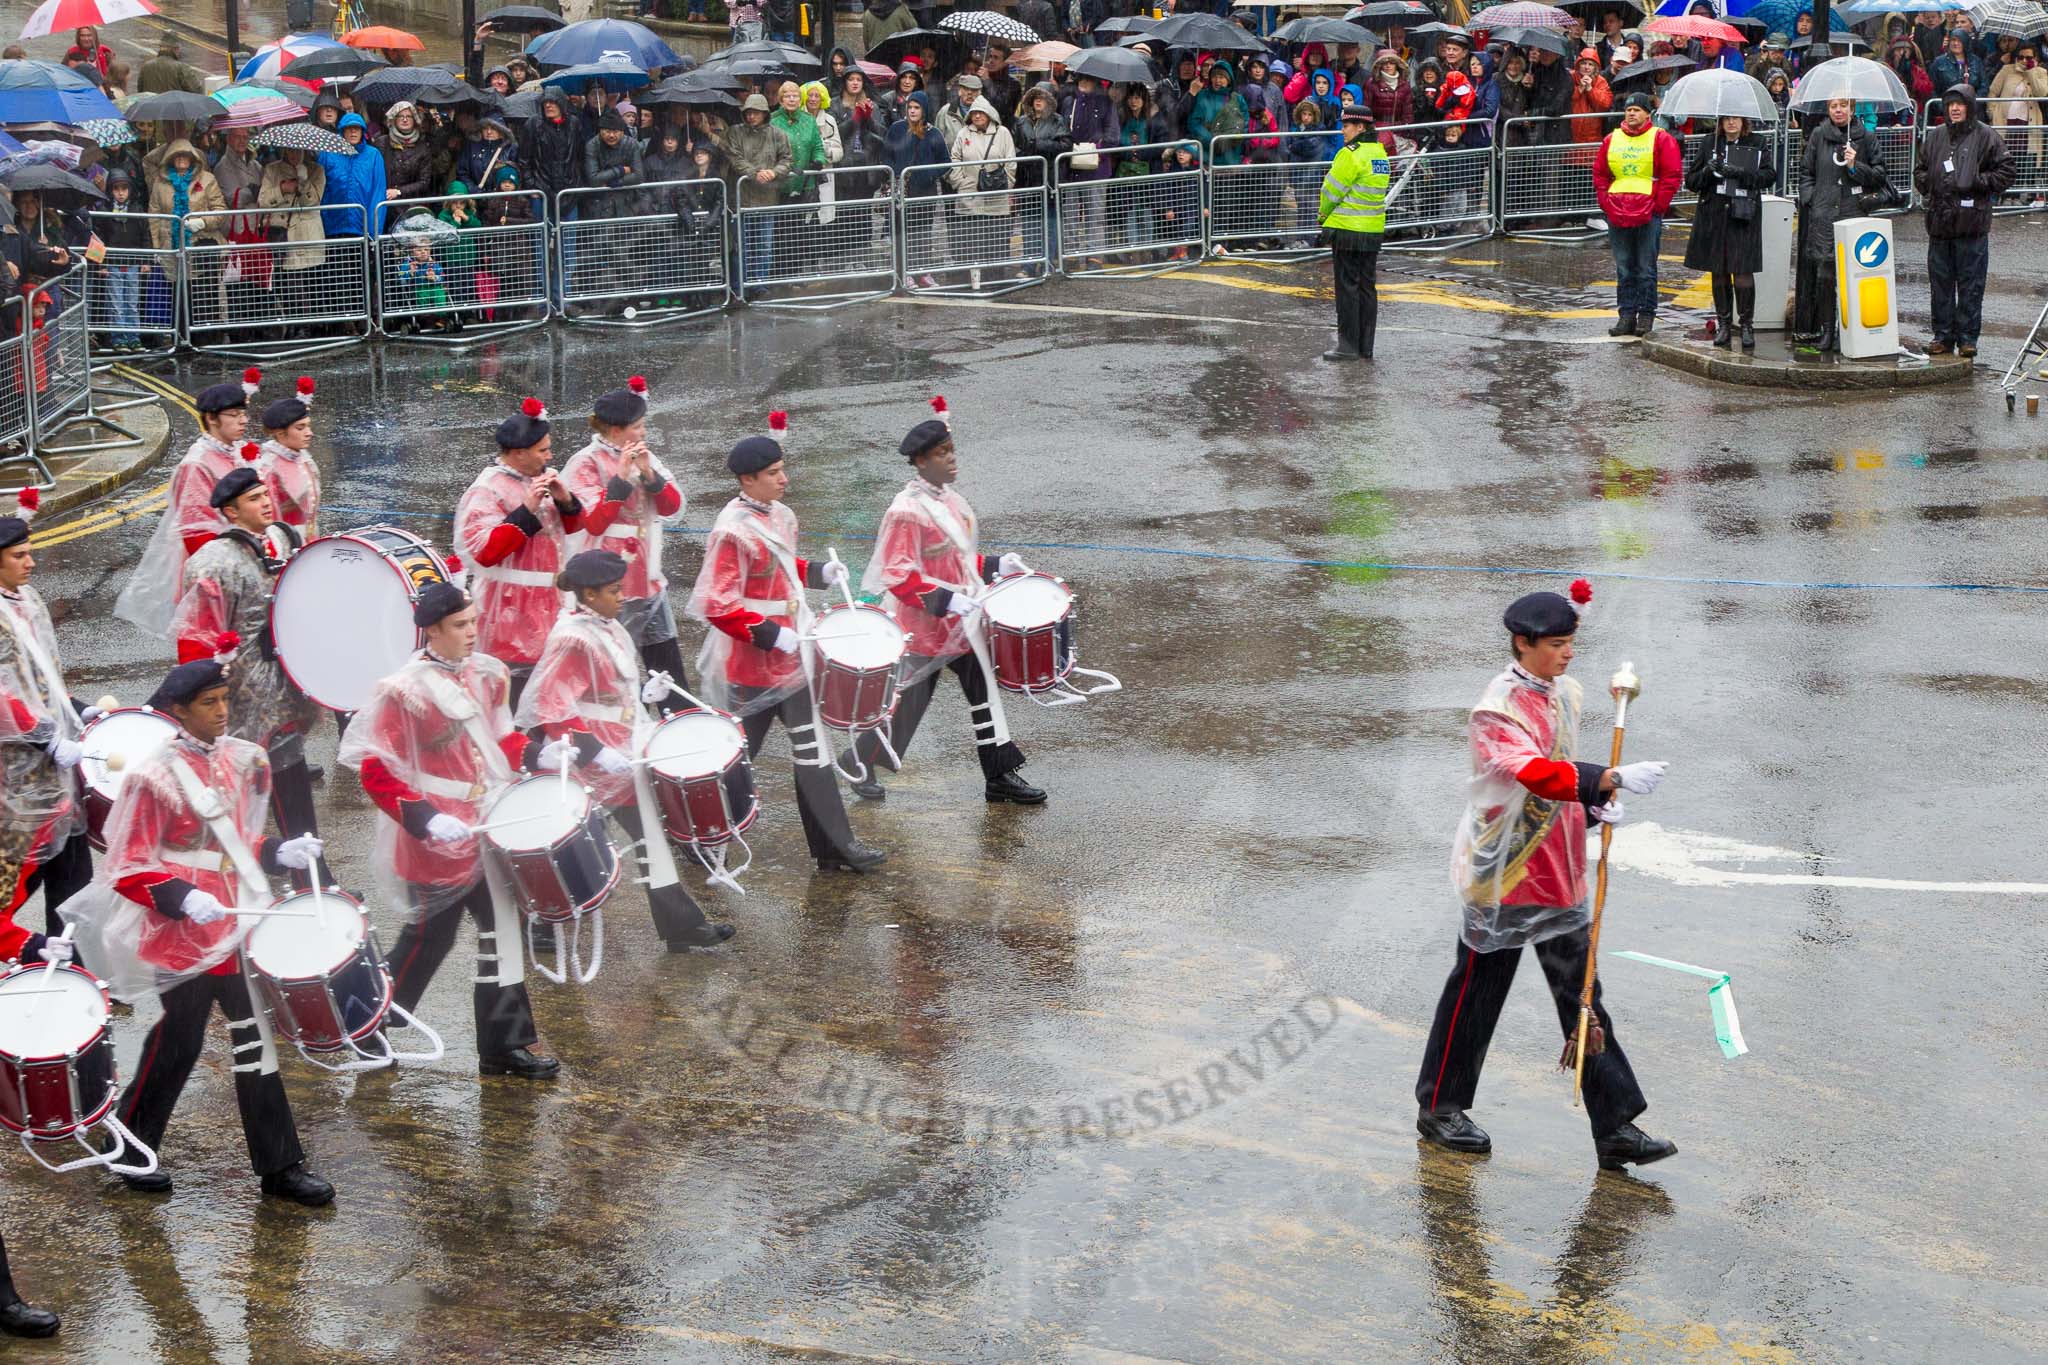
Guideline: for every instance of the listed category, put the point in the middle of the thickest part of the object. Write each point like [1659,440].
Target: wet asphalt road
[1130,1076]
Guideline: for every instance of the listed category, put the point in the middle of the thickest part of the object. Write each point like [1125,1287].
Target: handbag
[992,180]
[1085,157]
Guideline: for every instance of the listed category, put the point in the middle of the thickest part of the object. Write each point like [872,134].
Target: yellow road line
[1399,291]
[135,506]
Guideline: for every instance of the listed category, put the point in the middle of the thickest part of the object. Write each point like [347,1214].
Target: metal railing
[2023,124]
[460,283]
[654,253]
[1168,205]
[17,410]
[236,292]
[975,240]
[848,242]
[1441,193]
[1264,203]
[1898,144]
[1546,178]
[134,295]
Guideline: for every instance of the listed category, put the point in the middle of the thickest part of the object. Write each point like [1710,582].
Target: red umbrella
[61,16]
[379,38]
[1694,26]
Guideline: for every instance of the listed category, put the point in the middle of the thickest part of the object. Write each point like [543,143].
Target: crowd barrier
[1158,218]
[658,252]
[134,298]
[447,273]
[274,299]
[840,232]
[2023,123]
[985,234]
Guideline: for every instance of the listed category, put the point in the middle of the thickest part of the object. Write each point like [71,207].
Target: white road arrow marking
[1693,859]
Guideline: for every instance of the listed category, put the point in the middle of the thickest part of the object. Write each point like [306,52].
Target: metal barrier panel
[1689,146]
[655,252]
[2023,124]
[17,422]
[848,240]
[1545,175]
[1265,204]
[236,290]
[1440,190]
[59,344]
[134,296]
[1157,217]
[440,276]
[1898,143]
[974,240]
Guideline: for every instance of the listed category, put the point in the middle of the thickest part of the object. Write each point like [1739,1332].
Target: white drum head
[342,619]
[535,814]
[134,735]
[861,638]
[34,1024]
[1027,602]
[290,948]
[694,744]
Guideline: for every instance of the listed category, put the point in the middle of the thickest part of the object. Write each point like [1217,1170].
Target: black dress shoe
[20,1319]
[1454,1131]
[1337,357]
[299,1185]
[518,1062]
[705,935]
[855,857]
[1624,326]
[1629,1143]
[315,773]
[157,1181]
[1014,789]
[870,789]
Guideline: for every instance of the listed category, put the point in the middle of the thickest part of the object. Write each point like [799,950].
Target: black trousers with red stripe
[504,1014]
[8,1293]
[913,701]
[1470,1007]
[171,1050]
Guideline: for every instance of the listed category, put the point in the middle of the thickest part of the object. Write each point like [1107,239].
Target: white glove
[444,828]
[960,604]
[555,755]
[58,950]
[834,573]
[65,753]
[1010,564]
[655,688]
[785,640]
[613,762]
[201,908]
[1609,814]
[89,715]
[1640,778]
[299,853]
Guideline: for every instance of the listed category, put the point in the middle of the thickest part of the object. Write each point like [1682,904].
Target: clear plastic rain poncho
[1519,862]
[445,731]
[294,483]
[516,599]
[636,535]
[228,584]
[151,596]
[928,533]
[39,809]
[157,827]
[750,564]
[588,678]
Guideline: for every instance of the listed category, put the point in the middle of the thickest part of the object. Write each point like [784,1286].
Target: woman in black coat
[1842,165]
[1730,174]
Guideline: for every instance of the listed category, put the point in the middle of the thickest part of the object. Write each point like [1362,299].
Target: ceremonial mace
[1591,1039]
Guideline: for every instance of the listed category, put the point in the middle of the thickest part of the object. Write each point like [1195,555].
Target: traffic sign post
[1866,289]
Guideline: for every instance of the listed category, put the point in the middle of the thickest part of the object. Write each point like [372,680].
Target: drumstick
[281,914]
[832,554]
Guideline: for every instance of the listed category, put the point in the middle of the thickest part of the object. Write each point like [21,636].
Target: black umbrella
[1441,31]
[704,81]
[1748,23]
[1591,10]
[44,178]
[298,94]
[751,66]
[336,64]
[1842,38]
[789,54]
[1127,23]
[523,19]
[520,107]
[462,92]
[1649,66]
[893,49]
[1114,64]
[395,83]
[1323,29]
[1549,39]
[1389,13]
[1206,32]
[172,106]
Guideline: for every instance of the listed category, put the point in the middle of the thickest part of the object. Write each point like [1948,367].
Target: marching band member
[228,585]
[19,1319]
[167,915]
[190,519]
[750,591]
[929,563]
[625,493]
[1519,867]
[589,693]
[287,465]
[513,522]
[42,822]
[434,746]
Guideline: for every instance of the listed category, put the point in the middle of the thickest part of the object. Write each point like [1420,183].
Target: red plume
[251,451]
[252,380]
[638,384]
[454,563]
[945,414]
[226,643]
[1582,591]
[533,407]
[29,499]
[305,386]
[778,424]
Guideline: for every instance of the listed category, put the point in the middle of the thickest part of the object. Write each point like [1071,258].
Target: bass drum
[341,613]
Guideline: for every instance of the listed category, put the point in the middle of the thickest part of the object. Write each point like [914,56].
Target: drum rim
[654,768]
[1002,585]
[488,837]
[103,719]
[362,944]
[356,535]
[104,1029]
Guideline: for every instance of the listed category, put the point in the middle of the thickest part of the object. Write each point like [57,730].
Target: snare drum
[858,647]
[341,612]
[56,1052]
[702,777]
[551,842]
[1031,631]
[133,733]
[318,972]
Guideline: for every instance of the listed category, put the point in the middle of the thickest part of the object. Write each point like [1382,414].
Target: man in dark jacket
[1964,167]
[1038,16]
[611,161]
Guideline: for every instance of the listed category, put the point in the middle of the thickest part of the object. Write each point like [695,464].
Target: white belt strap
[452,788]
[202,860]
[206,804]
[620,530]
[609,715]
[458,705]
[785,559]
[518,578]
[771,606]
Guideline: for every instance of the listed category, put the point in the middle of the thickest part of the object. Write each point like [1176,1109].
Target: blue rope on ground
[1290,561]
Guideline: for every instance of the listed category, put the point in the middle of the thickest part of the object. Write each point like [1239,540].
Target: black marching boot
[1013,789]
[1745,304]
[1454,1131]
[854,857]
[526,1065]
[299,1185]
[1630,1144]
[18,1319]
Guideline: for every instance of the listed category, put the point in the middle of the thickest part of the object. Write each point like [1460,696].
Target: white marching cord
[569,959]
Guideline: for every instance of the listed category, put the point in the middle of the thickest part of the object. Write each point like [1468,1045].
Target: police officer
[1353,215]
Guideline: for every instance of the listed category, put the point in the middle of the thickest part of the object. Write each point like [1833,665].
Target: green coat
[806,150]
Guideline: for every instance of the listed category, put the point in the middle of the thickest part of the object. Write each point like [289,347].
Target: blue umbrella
[613,76]
[48,92]
[1863,7]
[11,145]
[616,41]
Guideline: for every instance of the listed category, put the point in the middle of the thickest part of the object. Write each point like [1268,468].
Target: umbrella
[1380,14]
[1039,56]
[425,225]
[58,16]
[1323,29]
[521,107]
[875,71]
[381,38]
[42,177]
[1851,78]
[1591,10]
[1548,39]
[304,136]
[457,91]
[1650,66]
[2012,19]
[891,51]
[752,66]
[171,106]
[1717,93]
[1440,31]
[1139,41]
[989,24]
[1113,64]
[1127,23]
[9,144]
[1751,26]
[298,92]
[523,19]
[108,132]
[272,58]
[612,76]
[603,40]
[390,84]
[1693,26]
[1839,38]
[50,92]
[1205,32]
[789,55]
[336,63]
[1521,14]
[251,107]
[65,154]
[1866,7]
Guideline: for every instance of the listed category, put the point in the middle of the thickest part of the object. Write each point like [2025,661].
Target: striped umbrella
[1521,14]
[61,16]
[252,108]
[272,58]
[2012,19]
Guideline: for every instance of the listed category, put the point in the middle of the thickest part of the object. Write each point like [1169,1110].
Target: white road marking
[1689,858]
